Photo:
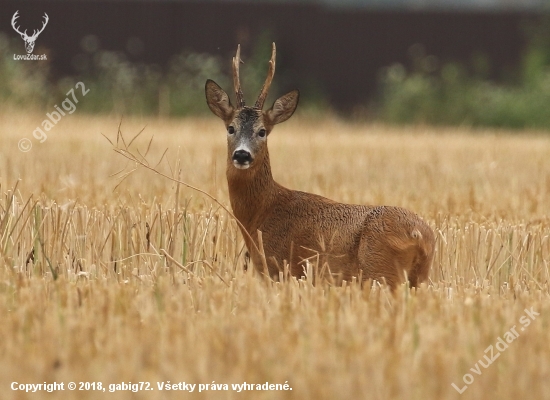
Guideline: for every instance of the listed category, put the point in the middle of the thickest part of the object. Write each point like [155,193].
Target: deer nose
[242,157]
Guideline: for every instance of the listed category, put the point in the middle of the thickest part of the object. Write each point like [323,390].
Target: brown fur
[373,242]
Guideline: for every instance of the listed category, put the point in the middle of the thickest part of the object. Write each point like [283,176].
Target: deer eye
[261,133]
[231,130]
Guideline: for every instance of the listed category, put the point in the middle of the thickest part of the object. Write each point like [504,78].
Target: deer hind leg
[391,260]
[420,269]
[377,262]
[395,243]
[423,260]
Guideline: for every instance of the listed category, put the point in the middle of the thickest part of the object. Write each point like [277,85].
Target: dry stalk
[141,161]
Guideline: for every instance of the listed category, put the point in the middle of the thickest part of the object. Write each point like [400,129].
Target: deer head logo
[29,40]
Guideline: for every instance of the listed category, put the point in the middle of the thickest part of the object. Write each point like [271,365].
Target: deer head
[29,40]
[249,127]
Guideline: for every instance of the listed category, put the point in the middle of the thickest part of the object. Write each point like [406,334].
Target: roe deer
[374,242]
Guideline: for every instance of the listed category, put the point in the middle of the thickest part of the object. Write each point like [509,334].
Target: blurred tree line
[454,94]
[427,92]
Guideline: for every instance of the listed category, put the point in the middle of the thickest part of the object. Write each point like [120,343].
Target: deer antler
[24,34]
[236,80]
[46,19]
[270,73]
[13,21]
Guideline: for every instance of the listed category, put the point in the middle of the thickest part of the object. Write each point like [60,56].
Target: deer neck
[250,191]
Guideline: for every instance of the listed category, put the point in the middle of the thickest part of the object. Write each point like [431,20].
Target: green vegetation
[429,92]
[450,95]
[121,86]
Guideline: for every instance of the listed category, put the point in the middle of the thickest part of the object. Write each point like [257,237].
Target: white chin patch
[241,166]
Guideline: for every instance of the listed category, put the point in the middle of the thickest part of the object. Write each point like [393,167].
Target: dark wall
[342,50]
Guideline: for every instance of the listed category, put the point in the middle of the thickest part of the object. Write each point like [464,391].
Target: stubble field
[87,293]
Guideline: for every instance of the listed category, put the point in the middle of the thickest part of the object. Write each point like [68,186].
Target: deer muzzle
[242,159]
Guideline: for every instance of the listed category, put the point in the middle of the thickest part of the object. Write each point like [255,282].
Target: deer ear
[218,101]
[283,108]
